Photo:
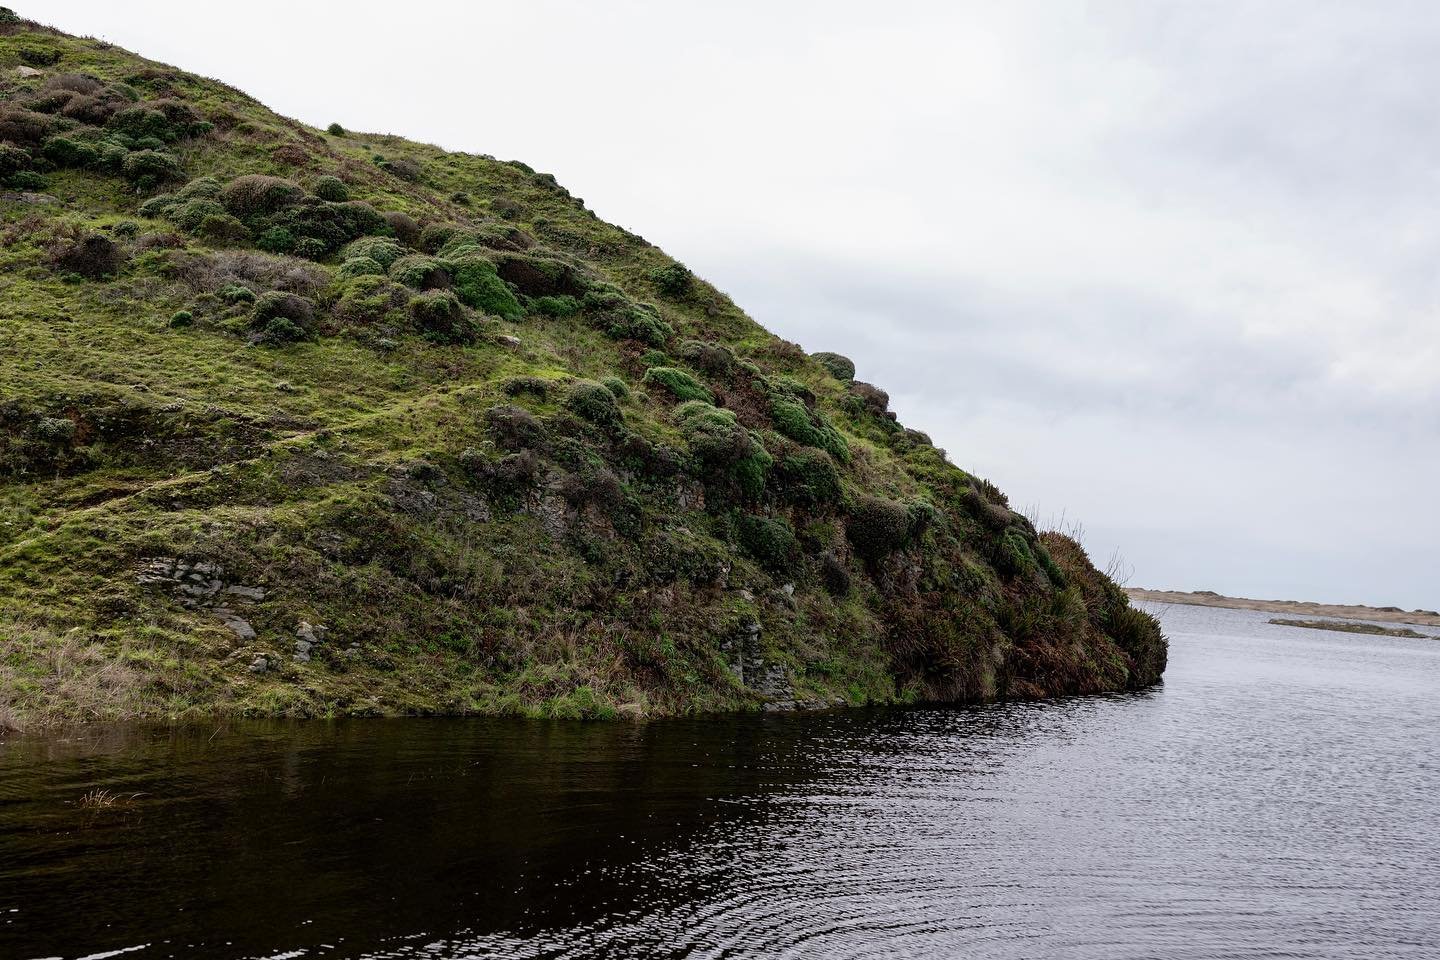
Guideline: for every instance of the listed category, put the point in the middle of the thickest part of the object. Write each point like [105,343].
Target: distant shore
[1207,598]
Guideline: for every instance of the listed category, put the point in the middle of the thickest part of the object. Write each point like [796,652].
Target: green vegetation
[264,383]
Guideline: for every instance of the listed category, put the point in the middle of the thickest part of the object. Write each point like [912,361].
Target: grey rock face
[237,625]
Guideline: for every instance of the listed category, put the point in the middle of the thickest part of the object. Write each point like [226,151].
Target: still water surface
[1279,796]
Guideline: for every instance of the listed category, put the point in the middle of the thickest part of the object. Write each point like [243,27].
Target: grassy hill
[316,422]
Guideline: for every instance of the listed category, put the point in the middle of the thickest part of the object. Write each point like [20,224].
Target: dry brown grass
[46,675]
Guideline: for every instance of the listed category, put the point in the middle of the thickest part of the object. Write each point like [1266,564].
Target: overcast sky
[1170,270]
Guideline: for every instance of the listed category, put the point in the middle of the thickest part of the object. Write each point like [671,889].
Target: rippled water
[1279,796]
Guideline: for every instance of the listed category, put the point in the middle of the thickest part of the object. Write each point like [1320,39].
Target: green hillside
[318,422]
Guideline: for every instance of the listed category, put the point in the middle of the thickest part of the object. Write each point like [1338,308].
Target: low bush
[632,321]
[27,180]
[841,368]
[724,449]
[406,230]
[361,267]
[182,318]
[257,195]
[310,248]
[678,384]
[277,305]
[808,477]
[276,240]
[371,299]
[619,388]
[594,402]
[237,293]
[561,306]
[331,188]
[715,359]
[770,541]
[89,255]
[537,387]
[39,56]
[148,169]
[25,127]
[793,419]
[382,250]
[335,130]
[674,280]
[877,527]
[440,316]
[13,160]
[478,285]
[188,214]
[419,273]
[536,276]
[515,428]
[221,229]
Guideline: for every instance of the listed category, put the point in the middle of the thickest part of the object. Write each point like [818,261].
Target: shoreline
[1206,598]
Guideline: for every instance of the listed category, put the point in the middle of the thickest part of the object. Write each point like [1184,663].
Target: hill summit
[313,422]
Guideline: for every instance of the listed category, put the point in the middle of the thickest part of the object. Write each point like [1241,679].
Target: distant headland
[1209,598]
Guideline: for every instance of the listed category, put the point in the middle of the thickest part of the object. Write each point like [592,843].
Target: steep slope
[316,422]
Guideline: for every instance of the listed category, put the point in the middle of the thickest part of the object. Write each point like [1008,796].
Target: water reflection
[1265,802]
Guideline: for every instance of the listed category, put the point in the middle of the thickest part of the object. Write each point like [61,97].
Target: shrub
[8,16]
[439,315]
[714,358]
[188,214]
[57,430]
[872,398]
[1015,555]
[158,205]
[335,130]
[769,540]
[723,447]
[276,240]
[678,383]
[419,273]
[361,267]
[27,180]
[278,305]
[561,306]
[382,250]
[331,224]
[797,422]
[808,477]
[403,226]
[12,161]
[594,402]
[143,123]
[223,229]
[478,285]
[310,248]
[206,187]
[537,387]
[148,169]
[402,167]
[25,127]
[126,228]
[89,255]
[630,321]
[436,235]
[515,428]
[182,318]
[877,527]
[539,276]
[68,152]
[841,368]
[673,280]
[331,188]
[237,293]
[258,195]
[616,386]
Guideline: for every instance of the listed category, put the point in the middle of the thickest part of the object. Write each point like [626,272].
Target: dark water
[1278,797]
